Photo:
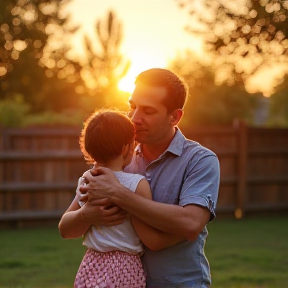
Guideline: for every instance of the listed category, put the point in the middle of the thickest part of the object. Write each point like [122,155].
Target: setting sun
[126,84]
[145,43]
[139,63]
[150,38]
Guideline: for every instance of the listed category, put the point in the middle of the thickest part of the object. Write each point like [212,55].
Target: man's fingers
[113,210]
[113,220]
[108,209]
[100,202]
[95,171]
[83,189]
[105,217]
[83,197]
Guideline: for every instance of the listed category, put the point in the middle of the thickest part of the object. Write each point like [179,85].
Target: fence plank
[39,155]
[39,169]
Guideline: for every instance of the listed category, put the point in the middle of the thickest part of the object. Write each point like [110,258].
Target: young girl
[113,253]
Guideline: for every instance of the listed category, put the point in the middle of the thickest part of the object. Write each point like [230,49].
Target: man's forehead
[145,87]
[150,99]
[147,91]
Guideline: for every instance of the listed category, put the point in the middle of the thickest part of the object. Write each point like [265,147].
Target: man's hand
[95,187]
[100,183]
[103,212]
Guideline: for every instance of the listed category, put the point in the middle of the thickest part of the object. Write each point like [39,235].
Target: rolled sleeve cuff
[205,202]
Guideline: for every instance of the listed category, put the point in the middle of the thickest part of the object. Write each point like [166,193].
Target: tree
[103,69]
[34,48]
[209,103]
[36,65]
[245,36]
[278,114]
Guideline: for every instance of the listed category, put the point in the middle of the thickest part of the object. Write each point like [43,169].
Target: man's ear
[176,116]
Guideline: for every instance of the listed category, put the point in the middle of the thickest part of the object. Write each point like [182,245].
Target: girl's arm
[153,238]
[77,220]
[72,223]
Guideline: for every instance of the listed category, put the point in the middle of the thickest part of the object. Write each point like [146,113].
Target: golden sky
[153,31]
[153,35]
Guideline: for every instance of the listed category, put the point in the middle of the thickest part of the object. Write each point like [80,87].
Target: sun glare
[139,63]
[126,84]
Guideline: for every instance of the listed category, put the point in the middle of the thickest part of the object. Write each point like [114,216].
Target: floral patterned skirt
[113,269]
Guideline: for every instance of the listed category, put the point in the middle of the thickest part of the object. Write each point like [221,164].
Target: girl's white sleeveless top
[121,237]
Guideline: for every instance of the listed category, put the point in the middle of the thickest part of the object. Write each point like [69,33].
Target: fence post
[242,169]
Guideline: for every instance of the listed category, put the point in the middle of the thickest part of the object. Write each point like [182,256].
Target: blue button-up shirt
[186,173]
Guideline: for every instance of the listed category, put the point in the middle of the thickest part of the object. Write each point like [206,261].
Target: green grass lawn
[248,253]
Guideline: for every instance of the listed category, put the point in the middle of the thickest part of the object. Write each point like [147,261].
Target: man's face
[149,115]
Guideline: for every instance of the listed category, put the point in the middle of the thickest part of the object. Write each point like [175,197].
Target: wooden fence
[39,169]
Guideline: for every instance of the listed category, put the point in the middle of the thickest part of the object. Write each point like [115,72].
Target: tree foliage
[13,111]
[209,103]
[278,114]
[34,54]
[246,35]
[36,61]
[105,66]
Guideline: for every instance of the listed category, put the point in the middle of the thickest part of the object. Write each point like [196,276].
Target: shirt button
[148,176]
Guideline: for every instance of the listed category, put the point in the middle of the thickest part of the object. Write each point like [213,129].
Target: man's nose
[136,117]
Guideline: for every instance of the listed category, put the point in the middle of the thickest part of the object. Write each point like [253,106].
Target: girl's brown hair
[104,134]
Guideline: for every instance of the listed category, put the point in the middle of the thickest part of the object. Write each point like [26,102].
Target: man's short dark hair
[177,90]
[104,134]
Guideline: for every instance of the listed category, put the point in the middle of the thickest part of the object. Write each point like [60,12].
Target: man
[184,179]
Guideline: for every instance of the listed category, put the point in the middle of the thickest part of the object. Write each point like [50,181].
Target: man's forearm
[153,238]
[186,221]
[173,219]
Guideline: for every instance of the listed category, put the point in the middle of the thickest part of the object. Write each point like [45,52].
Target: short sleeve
[201,183]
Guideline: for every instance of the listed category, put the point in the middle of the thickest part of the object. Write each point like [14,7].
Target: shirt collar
[175,147]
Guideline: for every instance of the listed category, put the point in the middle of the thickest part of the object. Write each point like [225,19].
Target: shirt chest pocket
[166,193]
